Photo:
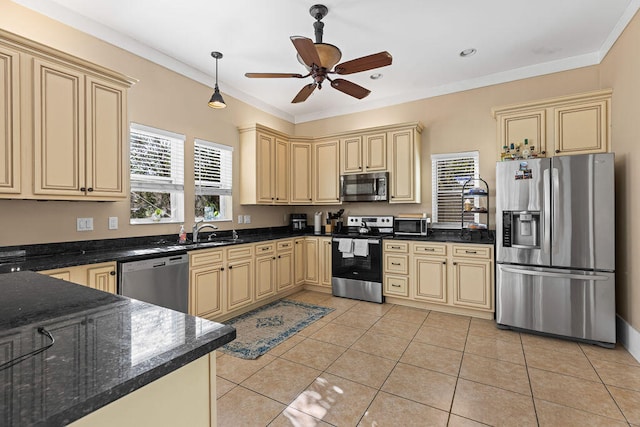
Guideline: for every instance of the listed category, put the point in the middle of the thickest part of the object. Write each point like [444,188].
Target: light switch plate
[113,223]
[84,224]
[247,219]
[239,219]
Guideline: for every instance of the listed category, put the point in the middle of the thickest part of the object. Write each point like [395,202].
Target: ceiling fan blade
[381,59]
[350,88]
[307,50]
[304,93]
[272,75]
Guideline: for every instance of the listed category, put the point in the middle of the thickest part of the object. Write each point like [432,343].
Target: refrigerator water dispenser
[521,229]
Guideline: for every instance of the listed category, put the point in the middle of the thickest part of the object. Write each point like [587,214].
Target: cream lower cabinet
[284,265]
[573,124]
[100,276]
[459,278]
[206,283]
[299,270]
[325,261]
[239,276]
[312,259]
[265,285]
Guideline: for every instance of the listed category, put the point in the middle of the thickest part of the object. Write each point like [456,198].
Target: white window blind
[157,160]
[449,173]
[212,168]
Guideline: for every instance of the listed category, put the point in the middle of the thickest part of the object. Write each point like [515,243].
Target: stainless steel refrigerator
[555,227]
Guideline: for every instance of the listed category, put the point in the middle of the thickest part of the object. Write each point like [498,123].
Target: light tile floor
[369,364]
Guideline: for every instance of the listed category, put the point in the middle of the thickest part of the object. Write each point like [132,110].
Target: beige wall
[620,70]
[456,122]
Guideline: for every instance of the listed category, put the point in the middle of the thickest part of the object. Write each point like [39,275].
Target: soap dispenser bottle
[182,237]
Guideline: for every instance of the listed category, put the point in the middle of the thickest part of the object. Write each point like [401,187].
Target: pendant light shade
[216,100]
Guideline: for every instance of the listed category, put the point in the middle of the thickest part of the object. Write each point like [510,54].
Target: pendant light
[216,100]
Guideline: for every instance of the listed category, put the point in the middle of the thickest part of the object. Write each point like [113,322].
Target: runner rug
[265,327]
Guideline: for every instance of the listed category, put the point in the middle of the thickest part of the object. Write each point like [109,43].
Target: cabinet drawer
[205,257]
[430,249]
[240,251]
[472,251]
[396,285]
[396,264]
[399,247]
[284,245]
[265,248]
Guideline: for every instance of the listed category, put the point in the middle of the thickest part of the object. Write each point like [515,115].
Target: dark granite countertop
[60,255]
[106,346]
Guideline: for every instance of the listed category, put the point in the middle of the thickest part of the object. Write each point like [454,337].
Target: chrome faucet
[234,234]
[197,228]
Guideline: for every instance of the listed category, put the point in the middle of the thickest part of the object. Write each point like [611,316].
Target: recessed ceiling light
[375,76]
[468,52]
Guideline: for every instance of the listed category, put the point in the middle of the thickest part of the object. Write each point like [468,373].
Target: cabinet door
[205,291]
[351,153]
[284,271]
[582,128]
[430,279]
[9,121]
[265,164]
[311,255]
[516,127]
[375,149]
[239,284]
[61,273]
[404,186]
[325,262]
[298,262]
[102,277]
[265,276]
[301,173]
[326,172]
[472,283]
[106,140]
[58,130]
[281,173]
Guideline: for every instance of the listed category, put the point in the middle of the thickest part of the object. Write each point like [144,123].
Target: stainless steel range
[356,264]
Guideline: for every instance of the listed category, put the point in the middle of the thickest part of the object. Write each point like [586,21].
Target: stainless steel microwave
[411,226]
[364,187]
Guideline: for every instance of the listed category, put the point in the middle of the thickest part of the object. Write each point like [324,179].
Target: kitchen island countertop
[106,346]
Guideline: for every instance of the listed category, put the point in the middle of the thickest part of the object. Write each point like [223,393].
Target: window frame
[435,191]
[225,191]
[174,185]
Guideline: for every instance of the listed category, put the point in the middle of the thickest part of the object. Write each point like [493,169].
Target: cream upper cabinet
[574,124]
[79,134]
[301,155]
[404,159]
[9,120]
[72,133]
[363,153]
[326,172]
[264,166]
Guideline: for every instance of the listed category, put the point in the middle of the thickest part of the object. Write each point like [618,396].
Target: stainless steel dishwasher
[160,281]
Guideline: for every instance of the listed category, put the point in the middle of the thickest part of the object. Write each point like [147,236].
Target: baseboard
[628,337]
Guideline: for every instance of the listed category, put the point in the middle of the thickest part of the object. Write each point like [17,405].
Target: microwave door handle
[375,186]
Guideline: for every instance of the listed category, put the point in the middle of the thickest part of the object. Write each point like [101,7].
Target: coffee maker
[298,222]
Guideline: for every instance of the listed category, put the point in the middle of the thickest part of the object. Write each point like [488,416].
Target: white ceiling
[514,39]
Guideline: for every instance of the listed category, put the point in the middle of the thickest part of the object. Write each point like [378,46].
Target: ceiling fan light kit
[320,58]
[216,100]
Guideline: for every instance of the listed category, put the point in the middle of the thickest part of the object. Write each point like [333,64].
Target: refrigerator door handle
[556,206]
[553,274]
[546,240]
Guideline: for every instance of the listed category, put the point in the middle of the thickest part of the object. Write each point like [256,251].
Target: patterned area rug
[261,329]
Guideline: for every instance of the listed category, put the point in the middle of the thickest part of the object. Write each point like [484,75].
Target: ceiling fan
[319,58]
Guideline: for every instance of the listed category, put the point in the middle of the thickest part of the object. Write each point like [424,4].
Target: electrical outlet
[113,223]
[239,219]
[84,224]
[247,219]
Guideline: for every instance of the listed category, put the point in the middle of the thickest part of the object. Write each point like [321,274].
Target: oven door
[366,268]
